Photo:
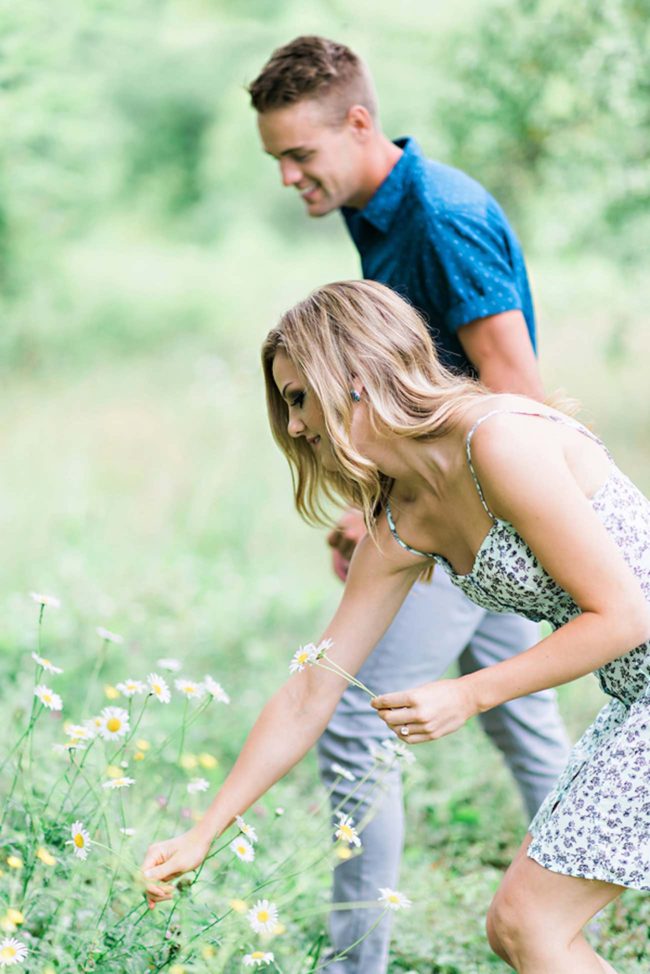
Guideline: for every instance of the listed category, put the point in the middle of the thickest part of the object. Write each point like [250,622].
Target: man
[439,239]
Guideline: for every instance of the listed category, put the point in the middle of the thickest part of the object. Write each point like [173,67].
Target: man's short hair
[314,67]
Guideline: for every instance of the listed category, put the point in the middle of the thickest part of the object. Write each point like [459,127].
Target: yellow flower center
[347,832]
[258,955]
[45,662]
[79,840]
[8,952]
[113,724]
[47,698]
[303,657]
[156,688]
[263,916]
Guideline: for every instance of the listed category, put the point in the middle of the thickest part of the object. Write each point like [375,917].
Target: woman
[526,511]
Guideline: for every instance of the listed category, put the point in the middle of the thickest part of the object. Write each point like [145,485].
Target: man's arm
[500,349]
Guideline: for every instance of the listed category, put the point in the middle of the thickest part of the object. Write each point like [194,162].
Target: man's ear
[360,121]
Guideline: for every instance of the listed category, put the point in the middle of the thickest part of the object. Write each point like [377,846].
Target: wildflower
[323,647]
[130,687]
[115,723]
[304,656]
[346,831]
[12,951]
[197,784]
[258,958]
[142,744]
[239,906]
[46,664]
[80,840]
[15,916]
[243,849]
[111,692]
[46,856]
[279,811]
[139,755]
[78,732]
[246,829]
[215,690]
[73,745]
[392,899]
[50,601]
[14,862]
[188,761]
[114,771]
[108,636]
[92,725]
[172,665]
[159,688]
[190,688]
[122,782]
[400,750]
[48,697]
[343,852]
[279,929]
[263,917]
[343,772]
[208,760]
[128,832]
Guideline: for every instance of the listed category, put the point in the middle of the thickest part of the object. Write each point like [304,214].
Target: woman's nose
[295,426]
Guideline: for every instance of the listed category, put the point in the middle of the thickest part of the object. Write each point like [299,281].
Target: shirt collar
[382,207]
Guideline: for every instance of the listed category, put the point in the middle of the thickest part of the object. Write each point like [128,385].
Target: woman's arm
[295,717]
[526,481]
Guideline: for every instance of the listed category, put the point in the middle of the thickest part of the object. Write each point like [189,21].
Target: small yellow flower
[343,852]
[7,925]
[208,951]
[239,906]
[142,744]
[49,970]
[177,969]
[112,771]
[208,760]
[188,762]
[15,916]
[14,862]
[111,692]
[279,929]
[139,756]
[46,856]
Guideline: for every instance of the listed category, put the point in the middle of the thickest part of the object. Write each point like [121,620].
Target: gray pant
[436,626]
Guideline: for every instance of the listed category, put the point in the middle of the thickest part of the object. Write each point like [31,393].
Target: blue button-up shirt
[439,239]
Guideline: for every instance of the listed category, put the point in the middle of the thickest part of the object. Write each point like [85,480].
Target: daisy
[48,697]
[121,782]
[343,772]
[263,917]
[215,690]
[73,745]
[128,832]
[50,601]
[246,829]
[258,958]
[304,656]
[346,831]
[208,760]
[46,664]
[159,688]
[239,906]
[108,636]
[78,732]
[80,840]
[243,849]
[115,723]
[197,784]
[392,899]
[400,750]
[172,665]
[130,687]
[12,951]
[191,689]
[323,647]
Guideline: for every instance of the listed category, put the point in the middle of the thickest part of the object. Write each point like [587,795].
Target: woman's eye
[298,399]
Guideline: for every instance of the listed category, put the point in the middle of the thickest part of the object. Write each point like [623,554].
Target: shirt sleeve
[469,266]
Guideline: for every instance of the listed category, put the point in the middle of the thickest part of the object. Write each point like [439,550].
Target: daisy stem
[170,737]
[96,670]
[342,954]
[351,679]
[132,734]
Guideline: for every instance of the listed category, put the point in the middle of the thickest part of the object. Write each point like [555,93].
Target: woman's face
[305,413]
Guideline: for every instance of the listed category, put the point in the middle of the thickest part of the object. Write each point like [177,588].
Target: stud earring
[355,395]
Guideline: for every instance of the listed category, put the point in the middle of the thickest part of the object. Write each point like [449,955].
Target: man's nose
[290,173]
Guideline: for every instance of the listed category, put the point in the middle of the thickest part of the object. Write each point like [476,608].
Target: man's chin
[320,208]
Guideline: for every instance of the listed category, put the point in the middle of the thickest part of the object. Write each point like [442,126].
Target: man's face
[323,162]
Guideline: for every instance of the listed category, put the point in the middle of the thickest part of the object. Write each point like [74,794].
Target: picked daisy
[12,951]
[245,828]
[50,601]
[392,899]
[263,917]
[259,958]
[48,697]
[108,636]
[121,782]
[171,665]
[46,664]
[190,688]
[400,750]
[196,785]
[158,687]
[243,849]
[341,771]
[304,656]
[115,723]
[346,831]
[80,840]
[129,688]
[215,690]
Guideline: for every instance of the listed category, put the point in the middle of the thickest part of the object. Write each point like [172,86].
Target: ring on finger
[404,731]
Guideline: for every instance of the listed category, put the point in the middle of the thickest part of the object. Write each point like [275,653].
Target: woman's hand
[427,712]
[173,857]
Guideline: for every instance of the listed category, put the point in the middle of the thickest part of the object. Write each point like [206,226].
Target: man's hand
[343,540]
[427,712]
[166,860]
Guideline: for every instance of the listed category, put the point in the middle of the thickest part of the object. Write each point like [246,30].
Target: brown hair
[314,67]
[359,329]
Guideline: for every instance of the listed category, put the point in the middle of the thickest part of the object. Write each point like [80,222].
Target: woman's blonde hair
[359,331]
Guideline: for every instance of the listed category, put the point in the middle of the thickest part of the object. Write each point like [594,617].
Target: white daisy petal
[263,917]
[108,636]
[393,899]
[245,828]
[158,687]
[115,723]
[50,601]
[346,832]
[171,665]
[122,782]
[215,690]
[304,656]
[47,664]
[80,840]
[12,951]
[243,849]
[190,688]
[48,697]
[258,958]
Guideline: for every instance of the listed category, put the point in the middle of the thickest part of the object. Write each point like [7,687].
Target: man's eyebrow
[288,152]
